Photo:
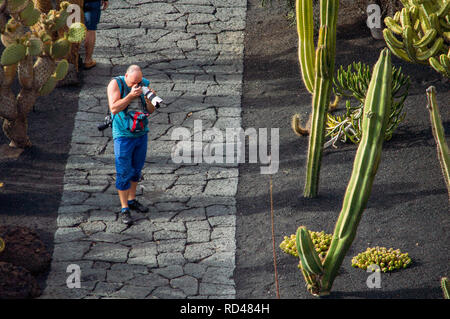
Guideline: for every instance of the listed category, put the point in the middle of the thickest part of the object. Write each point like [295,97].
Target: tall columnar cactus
[317,66]
[423,27]
[34,52]
[320,275]
[439,135]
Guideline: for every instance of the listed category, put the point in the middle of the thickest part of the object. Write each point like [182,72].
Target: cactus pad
[48,86]
[61,70]
[34,47]
[77,32]
[42,69]
[15,6]
[13,54]
[60,49]
[61,19]
[30,15]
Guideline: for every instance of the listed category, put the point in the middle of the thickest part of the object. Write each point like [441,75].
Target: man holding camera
[125,98]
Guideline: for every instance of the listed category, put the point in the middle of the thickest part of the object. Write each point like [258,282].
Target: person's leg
[92,12]
[89,44]
[123,196]
[138,161]
[123,150]
[132,191]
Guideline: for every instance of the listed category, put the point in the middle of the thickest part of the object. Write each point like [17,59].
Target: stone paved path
[192,52]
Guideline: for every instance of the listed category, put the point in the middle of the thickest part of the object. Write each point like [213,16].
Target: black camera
[106,123]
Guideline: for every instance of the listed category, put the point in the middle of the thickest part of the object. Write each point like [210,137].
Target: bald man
[130,148]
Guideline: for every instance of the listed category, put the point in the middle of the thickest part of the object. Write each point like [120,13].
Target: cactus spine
[439,135]
[424,28]
[317,72]
[374,123]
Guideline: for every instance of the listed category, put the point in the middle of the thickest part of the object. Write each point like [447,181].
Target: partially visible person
[92,11]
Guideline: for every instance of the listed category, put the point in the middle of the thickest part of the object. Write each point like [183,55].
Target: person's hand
[136,91]
[105,4]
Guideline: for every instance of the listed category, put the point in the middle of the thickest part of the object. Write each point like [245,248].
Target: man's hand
[104,4]
[136,91]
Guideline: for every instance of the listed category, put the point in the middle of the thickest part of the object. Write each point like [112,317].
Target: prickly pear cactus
[35,52]
[420,33]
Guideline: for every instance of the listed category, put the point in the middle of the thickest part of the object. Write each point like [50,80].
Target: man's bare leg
[123,195]
[132,191]
[89,44]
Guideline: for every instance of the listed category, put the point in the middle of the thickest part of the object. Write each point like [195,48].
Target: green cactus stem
[439,135]
[306,56]
[321,100]
[445,286]
[375,119]
[317,66]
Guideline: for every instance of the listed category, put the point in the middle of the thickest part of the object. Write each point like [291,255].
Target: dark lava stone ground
[408,207]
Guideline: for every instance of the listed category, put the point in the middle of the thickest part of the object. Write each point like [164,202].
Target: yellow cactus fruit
[15,6]
[77,32]
[34,46]
[61,70]
[60,48]
[43,68]
[48,86]
[13,54]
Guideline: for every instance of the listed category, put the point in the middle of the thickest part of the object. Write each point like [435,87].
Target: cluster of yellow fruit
[321,242]
[386,259]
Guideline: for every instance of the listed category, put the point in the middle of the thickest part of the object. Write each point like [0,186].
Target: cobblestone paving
[192,52]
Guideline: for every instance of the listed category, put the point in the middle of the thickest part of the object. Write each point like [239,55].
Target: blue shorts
[130,156]
[92,14]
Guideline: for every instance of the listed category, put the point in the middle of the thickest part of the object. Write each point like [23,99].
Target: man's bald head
[134,68]
[133,75]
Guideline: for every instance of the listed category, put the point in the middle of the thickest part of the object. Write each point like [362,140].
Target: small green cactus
[387,260]
[352,83]
[321,241]
[77,32]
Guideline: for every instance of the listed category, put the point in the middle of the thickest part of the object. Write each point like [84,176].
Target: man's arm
[116,104]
